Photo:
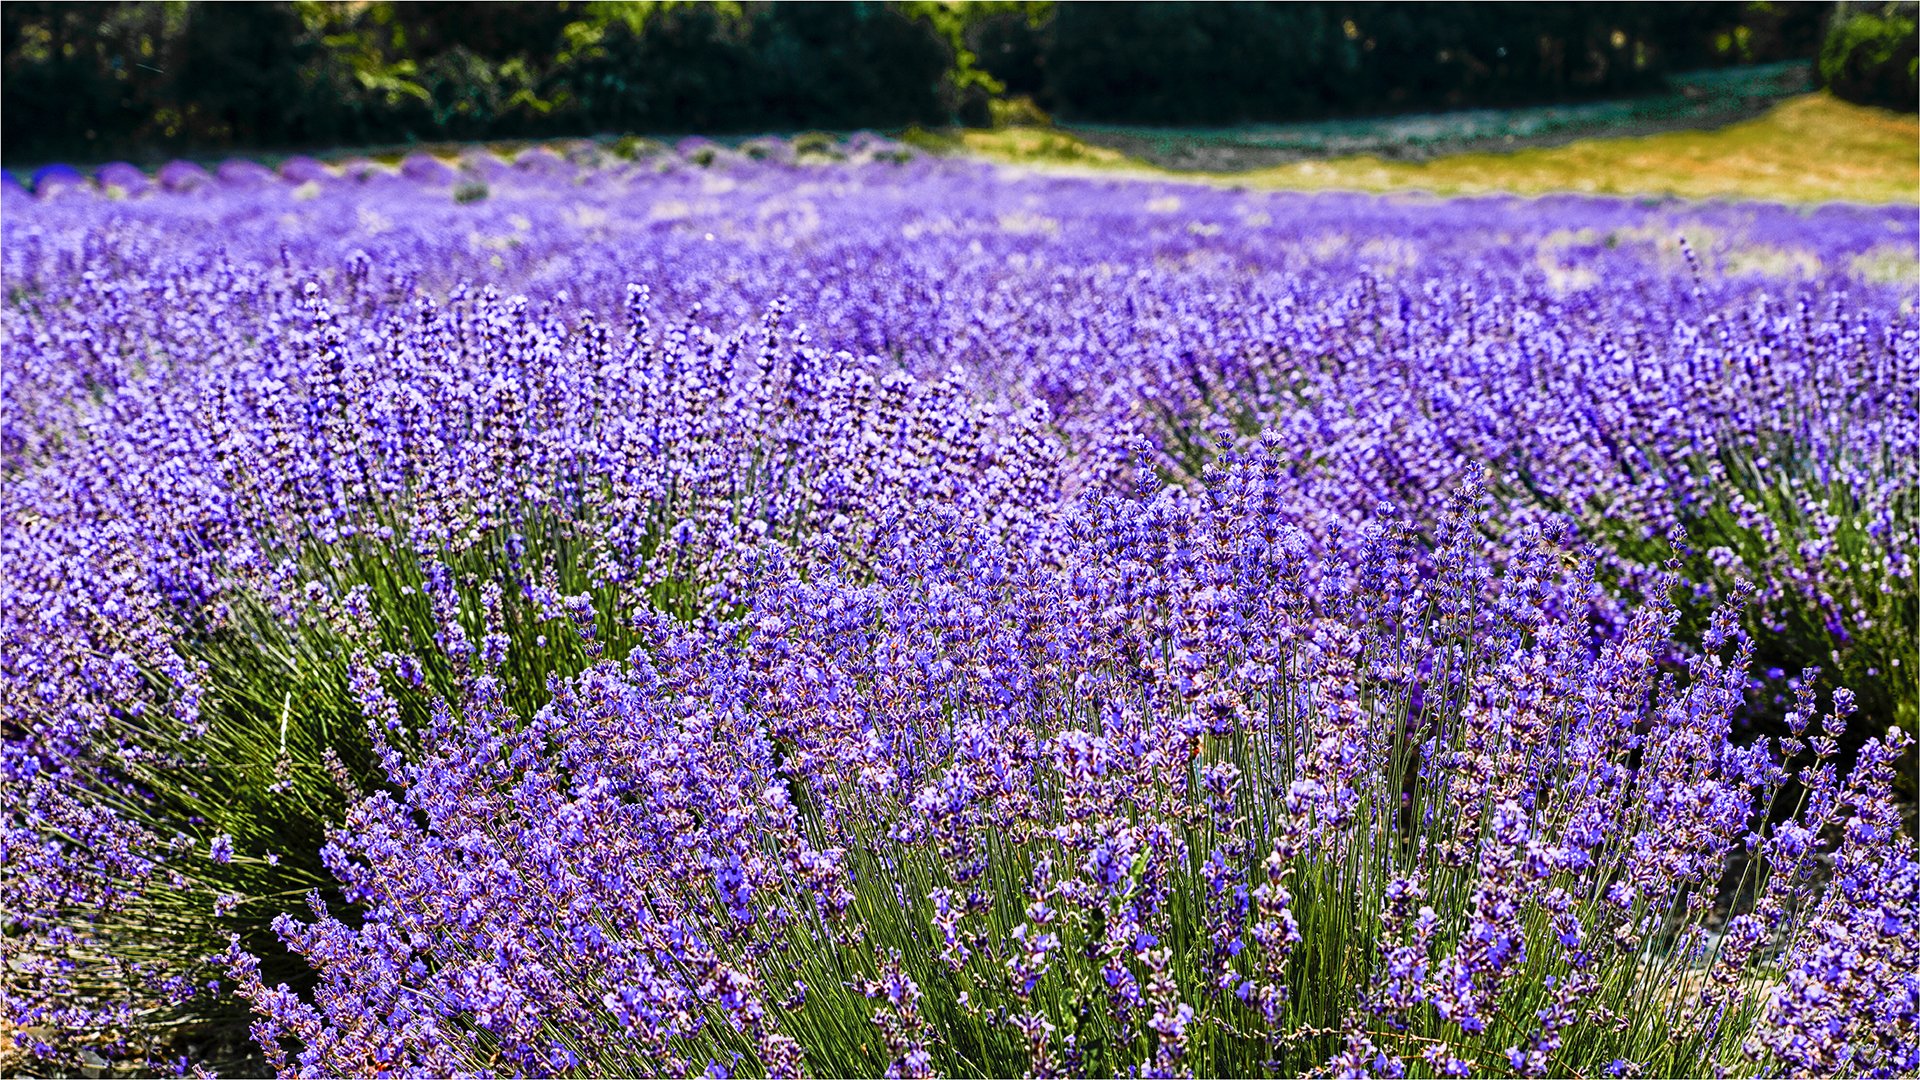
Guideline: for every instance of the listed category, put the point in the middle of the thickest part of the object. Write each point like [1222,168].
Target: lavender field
[738,613]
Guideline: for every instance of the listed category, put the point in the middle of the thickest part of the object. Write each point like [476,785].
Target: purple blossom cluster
[819,611]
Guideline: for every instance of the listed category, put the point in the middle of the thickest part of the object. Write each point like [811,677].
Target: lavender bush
[1151,809]
[778,613]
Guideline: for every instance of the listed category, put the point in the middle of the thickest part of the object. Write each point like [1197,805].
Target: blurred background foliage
[91,81]
[1871,55]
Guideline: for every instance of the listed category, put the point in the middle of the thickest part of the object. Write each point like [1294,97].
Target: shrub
[1873,57]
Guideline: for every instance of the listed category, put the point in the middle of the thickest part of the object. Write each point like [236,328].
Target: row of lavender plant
[249,510]
[1469,334]
[1797,476]
[473,168]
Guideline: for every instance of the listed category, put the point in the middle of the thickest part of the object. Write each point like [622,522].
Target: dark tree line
[89,81]
[1172,63]
[94,80]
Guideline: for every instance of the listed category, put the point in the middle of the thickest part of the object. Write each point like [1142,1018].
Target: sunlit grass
[1812,148]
